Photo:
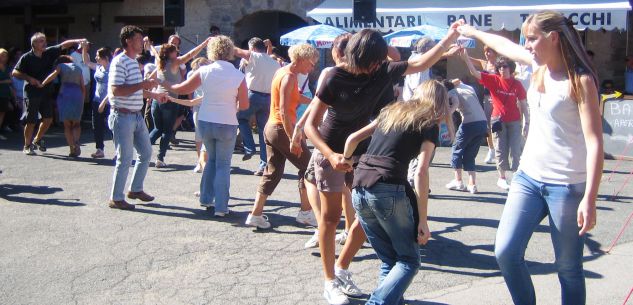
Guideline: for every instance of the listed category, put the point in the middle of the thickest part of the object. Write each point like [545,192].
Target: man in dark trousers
[33,67]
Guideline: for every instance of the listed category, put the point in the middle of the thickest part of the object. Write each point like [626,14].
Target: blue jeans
[467,142]
[386,216]
[164,116]
[529,201]
[99,123]
[219,140]
[129,132]
[260,107]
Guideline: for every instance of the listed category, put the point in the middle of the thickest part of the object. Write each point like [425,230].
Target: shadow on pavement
[101,161]
[9,192]
[473,198]
[443,254]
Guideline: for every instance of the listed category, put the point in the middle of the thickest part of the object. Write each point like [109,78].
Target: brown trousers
[278,151]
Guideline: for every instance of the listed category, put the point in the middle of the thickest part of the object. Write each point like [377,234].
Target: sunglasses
[502,66]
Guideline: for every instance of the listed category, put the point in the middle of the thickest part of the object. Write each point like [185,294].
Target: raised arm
[428,59]
[269,46]
[191,54]
[393,54]
[241,53]
[474,72]
[478,62]
[86,58]
[69,43]
[51,76]
[498,43]
[591,123]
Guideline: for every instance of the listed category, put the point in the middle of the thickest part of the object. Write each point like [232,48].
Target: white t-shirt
[555,150]
[85,70]
[260,71]
[125,71]
[469,107]
[220,83]
[412,81]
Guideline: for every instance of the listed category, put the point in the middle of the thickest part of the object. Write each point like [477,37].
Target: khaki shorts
[327,178]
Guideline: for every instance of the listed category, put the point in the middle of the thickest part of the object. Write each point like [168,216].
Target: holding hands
[339,163]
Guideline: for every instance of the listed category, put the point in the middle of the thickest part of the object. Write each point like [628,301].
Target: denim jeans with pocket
[466,146]
[129,132]
[386,215]
[164,116]
[529,202]
[260,107]
[219,140]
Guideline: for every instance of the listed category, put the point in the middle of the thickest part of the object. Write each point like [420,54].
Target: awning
[485,15]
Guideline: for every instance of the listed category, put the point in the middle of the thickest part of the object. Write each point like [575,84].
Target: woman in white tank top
[562,162]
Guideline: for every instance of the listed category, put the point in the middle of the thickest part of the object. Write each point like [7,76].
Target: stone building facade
[100,21]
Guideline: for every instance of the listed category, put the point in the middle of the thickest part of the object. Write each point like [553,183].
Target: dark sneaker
[247,156]
[41,145]
[140,196]
[121,205]
[29,150]
[259,172]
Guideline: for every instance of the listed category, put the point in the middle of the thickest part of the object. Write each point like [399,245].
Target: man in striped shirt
[126,90]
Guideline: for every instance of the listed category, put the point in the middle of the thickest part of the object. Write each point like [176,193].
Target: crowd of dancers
[372,146]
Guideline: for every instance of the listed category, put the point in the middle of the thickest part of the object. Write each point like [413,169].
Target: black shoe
[41,145]
[247,156]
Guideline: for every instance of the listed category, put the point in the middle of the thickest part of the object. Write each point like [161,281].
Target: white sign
[594,16]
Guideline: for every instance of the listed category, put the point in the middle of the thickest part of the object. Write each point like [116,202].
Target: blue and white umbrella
[408,37]
[320,36]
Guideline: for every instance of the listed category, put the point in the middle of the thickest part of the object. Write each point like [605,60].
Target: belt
[262,93]
[125,110]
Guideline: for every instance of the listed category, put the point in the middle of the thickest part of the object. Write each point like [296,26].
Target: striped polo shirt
[125,71]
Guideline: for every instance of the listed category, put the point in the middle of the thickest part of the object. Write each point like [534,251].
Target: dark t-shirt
[402,146]
[38,67]
[353,99]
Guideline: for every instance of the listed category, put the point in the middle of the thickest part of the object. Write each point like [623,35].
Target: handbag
[496,125]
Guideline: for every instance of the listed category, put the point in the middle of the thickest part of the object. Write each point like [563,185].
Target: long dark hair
[364,50]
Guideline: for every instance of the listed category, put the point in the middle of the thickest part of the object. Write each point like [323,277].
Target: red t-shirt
[504,94]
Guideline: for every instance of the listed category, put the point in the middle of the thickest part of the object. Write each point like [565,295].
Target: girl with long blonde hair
[562,161]
[392,214]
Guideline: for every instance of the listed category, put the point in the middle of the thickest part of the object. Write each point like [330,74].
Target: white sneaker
[502,183]
[346,284]
[160,164]
[472,189]
[333,294]
[456,185]
[198,168]
[221,214]
[307,218]
[341,238]
[257,221]
[490,158]
[367,244]
[313,242]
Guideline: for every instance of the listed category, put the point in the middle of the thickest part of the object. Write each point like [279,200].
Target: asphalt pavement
[61,244]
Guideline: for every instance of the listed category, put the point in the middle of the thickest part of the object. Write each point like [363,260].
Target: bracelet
[347,158]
